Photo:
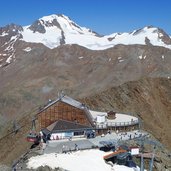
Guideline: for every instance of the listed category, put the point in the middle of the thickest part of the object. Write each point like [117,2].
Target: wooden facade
[64,111]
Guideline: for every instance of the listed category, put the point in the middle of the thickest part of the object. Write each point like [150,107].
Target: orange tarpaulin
[114,154]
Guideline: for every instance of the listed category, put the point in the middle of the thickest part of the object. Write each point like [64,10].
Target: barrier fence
[116,124]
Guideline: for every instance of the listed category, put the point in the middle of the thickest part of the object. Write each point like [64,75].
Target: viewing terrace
[117,121]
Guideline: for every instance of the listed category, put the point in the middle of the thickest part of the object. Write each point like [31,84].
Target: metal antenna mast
[142,159]
[152,158]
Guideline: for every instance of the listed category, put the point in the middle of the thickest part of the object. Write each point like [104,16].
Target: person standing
[76,147]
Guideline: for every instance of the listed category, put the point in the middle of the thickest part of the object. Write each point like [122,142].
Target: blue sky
[102,16]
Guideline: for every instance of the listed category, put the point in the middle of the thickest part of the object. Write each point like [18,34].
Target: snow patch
[140,57]
[3,54]
[9,48]
[121,60]
[87,160]
[50,39]
[3,34]
[27,49]
[14,38]
[163,57]
[81,57]
[160,34]
[9,59]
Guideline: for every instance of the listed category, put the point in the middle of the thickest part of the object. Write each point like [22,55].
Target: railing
[116,124]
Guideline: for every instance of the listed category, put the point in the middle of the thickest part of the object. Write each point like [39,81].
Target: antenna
[152,159]
[142,159]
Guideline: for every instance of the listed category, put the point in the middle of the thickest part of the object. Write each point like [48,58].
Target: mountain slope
[150,99]
[138,97]
[39,74]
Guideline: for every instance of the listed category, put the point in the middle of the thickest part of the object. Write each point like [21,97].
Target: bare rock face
[37,27]
[11,29]
[41,25]
[39,73]
[147,98]
[8,40]
[147,41]
[7,32]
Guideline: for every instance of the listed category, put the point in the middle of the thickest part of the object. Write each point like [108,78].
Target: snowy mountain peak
[59,21]
[41,24]
[146,30]
[51,17]
[146,36]
[57,29]
[150,32]
[55,16]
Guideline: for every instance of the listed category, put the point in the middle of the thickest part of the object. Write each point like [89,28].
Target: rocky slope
[149,99]
[39,75]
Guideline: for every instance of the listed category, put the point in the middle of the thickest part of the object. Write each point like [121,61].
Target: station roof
[67,100]
[63,126]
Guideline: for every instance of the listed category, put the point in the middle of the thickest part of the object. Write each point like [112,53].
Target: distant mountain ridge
[55,30]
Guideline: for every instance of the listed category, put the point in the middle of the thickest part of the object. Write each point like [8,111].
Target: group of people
[130,136]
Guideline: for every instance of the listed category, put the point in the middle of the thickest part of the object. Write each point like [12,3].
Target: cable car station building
[66,117]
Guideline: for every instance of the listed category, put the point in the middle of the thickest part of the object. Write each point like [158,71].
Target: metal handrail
[116,124]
